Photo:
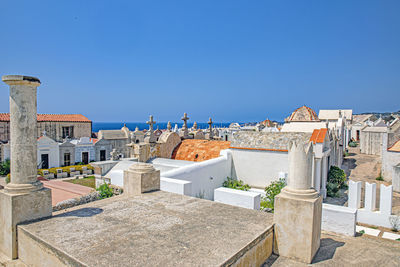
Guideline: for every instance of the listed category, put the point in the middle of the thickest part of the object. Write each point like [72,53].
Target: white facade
[47,153]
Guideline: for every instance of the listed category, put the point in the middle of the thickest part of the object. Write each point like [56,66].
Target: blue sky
[231,60]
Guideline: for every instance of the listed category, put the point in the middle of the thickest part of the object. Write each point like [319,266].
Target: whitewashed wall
[339,219]
[369,214]
[204,176]
[176,186]
[258,168]
[238,198]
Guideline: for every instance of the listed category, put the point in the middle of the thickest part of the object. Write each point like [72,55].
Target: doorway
[85,157]
[102,155]
[45,161]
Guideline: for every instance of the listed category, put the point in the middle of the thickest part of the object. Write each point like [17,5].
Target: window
[67,159]
[68,132]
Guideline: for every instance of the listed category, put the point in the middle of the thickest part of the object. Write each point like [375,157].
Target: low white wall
[205,176]
[239,198]
[339,219]
[259,168]
[181,187]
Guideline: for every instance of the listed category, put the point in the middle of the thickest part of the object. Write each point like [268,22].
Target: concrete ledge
[176,186]
[339,219]
[239,198]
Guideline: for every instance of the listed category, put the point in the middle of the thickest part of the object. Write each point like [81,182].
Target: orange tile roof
[52,117]
[318,135]
[199,150]
[395,147]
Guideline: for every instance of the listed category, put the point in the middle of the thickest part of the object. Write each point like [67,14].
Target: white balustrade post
[386,196]
[370,196]
[354,195]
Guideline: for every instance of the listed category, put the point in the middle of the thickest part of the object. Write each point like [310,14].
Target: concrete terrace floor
[154,229]
[338,250]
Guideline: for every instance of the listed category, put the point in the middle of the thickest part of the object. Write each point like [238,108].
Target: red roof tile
[318,135]
[199,150]
[52,117]
[395,147]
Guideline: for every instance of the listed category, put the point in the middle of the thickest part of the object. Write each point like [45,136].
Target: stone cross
[114,154]
[210,123]
[185,118]
[169,127]
[151,122]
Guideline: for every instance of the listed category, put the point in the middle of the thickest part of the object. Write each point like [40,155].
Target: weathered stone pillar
[141,178]
[24,198]
[298,208]
[317,174]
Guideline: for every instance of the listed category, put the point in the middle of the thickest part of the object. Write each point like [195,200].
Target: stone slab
[391,236]
[153,229]
[367,231]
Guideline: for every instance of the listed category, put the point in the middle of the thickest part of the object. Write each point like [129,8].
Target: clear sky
[231,60]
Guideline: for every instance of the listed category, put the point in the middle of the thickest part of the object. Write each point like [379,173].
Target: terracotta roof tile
[199,150]
[52,117]
[303,114]
[318,135]
[395,147]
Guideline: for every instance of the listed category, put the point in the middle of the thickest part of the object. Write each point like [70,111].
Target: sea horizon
[97,126]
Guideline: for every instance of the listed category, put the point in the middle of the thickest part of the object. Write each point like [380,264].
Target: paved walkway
[366,168]
[61,190]
[338,250]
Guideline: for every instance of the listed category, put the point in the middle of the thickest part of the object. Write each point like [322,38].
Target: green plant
[353,144]
[270,192]
[8,178]
[362,232]
[380,178]
[332,189]
[5,167]
[337,176]
[235,184]
[105,191]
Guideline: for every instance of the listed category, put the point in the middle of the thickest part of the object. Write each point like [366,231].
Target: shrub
[337,176]
[236,184]
[105,191]
[380,178]
[66,169]
[5,167]
[353,144]
[395,222]
[270,192]
[336,180]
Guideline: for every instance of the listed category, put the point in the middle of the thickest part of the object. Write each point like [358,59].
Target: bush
[337,176]
[5,167]
[270,192]
[353,144]
[105,191]
[236,184]
[66,169]
[336,180]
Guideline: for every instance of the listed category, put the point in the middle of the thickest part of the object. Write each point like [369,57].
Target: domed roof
[303,114]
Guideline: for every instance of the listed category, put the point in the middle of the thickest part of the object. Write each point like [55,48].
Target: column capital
[20,80]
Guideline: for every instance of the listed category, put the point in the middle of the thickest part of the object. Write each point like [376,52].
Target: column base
[23,188]
[17,208]
[297,226]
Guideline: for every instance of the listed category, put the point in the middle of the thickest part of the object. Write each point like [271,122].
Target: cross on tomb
[151,122]
[195,126]
[210,122]
[169,127]
[185,118]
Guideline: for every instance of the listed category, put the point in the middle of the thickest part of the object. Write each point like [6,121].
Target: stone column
[141,178]
[317,174]
[24,198]
[298,208]
[324,178]
[23,133]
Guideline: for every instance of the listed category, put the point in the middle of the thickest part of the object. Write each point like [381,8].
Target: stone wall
[371,142]
[54,129]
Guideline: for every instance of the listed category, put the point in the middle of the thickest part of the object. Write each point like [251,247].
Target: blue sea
[96,126]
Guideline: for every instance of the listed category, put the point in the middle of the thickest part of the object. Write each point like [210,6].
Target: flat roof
[154,229]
